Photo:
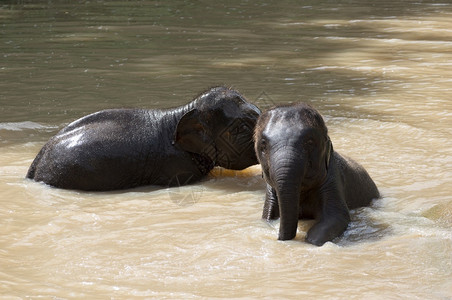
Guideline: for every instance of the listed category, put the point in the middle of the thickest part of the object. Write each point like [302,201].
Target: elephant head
[293,148]
[220,128]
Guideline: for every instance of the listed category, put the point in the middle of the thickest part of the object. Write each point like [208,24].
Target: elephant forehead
[290,133]
[280,124]
[281,130]
[286,124]
[294,116]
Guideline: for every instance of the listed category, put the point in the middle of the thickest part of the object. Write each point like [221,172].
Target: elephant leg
[332,222]
[325,231]
[271,206]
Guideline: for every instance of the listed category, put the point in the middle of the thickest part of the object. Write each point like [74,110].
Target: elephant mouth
[312,181]
[203,162]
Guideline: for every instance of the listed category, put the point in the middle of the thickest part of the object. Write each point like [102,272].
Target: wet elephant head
[294,150]
[220,127]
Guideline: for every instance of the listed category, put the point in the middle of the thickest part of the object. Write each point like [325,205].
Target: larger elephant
[305,177]
[125,148]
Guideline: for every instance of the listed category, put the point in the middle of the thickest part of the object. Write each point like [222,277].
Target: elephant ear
[328,152]
[191,133]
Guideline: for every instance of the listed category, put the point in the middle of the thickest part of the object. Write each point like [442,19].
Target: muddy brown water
[379,72]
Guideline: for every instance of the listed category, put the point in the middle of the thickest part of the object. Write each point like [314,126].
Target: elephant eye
[262,145]
[310,143]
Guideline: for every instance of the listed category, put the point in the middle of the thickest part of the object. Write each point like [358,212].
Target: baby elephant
[124,148]
[305,177]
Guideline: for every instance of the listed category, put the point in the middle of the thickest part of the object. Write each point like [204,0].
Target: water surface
[379,72]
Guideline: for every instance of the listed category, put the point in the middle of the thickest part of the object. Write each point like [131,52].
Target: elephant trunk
[288,176]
